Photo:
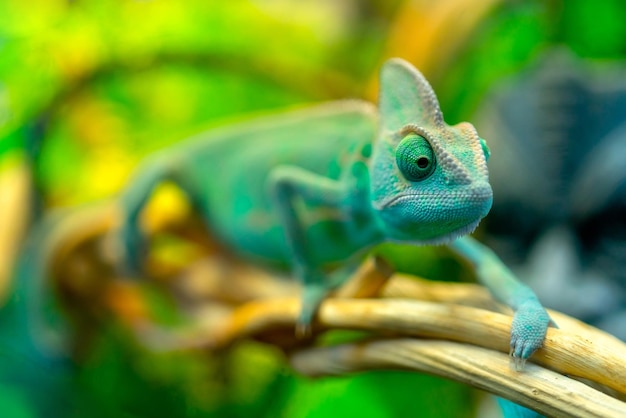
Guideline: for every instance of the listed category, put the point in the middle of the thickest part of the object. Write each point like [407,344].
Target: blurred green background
[88,88]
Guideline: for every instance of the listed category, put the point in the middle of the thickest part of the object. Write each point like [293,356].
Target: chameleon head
[429,180]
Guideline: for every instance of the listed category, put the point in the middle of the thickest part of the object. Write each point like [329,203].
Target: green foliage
[593,30]
[14,402]
[501,46]
[104,83]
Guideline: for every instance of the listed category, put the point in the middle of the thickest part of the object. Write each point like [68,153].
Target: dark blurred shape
[558,136]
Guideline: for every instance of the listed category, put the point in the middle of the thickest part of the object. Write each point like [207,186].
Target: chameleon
[311,191]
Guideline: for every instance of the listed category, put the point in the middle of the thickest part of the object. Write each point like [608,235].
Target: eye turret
[415,157]
[486,150]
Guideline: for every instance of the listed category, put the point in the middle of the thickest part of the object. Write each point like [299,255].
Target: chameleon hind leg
[313,293]
[317,288]
[286,184]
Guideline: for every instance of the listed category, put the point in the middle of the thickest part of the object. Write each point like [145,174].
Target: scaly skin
[312,189]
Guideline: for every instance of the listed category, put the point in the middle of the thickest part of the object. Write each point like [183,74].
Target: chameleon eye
[415,157]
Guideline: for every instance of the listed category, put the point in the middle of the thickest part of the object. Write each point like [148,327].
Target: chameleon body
[312,190]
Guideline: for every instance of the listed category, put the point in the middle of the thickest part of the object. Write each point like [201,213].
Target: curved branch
[543,390]
[577,350]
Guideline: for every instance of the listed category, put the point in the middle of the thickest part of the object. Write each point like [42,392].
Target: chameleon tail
[33,308]
[513,410]
[30,320]
[35,362]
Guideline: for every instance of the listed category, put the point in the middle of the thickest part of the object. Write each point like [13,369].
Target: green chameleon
[314,189]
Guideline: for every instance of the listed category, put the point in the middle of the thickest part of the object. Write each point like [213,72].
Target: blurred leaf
[506,42]
[14,403]
[593,30]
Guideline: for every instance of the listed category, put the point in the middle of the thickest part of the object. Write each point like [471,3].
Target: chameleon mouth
[435,218]
[475,196]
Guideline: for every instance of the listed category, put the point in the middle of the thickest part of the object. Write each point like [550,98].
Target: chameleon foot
[312,296]
[528,330]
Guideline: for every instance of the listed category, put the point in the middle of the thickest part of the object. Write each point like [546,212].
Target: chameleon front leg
[286,184]
[530,320]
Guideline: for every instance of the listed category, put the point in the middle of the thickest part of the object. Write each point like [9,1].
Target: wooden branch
[580,351]
[451,314]
[542,390]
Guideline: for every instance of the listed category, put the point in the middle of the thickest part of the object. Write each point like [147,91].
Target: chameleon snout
[436,216]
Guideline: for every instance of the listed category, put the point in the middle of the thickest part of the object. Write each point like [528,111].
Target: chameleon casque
[314,189]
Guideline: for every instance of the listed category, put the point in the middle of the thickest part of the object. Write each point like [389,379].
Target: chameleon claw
[313,294]
[304,327]
[303,330]
[517,363]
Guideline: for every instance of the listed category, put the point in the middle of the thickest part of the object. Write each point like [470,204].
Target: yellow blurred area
[15,206]
[20,20]
[167,205]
